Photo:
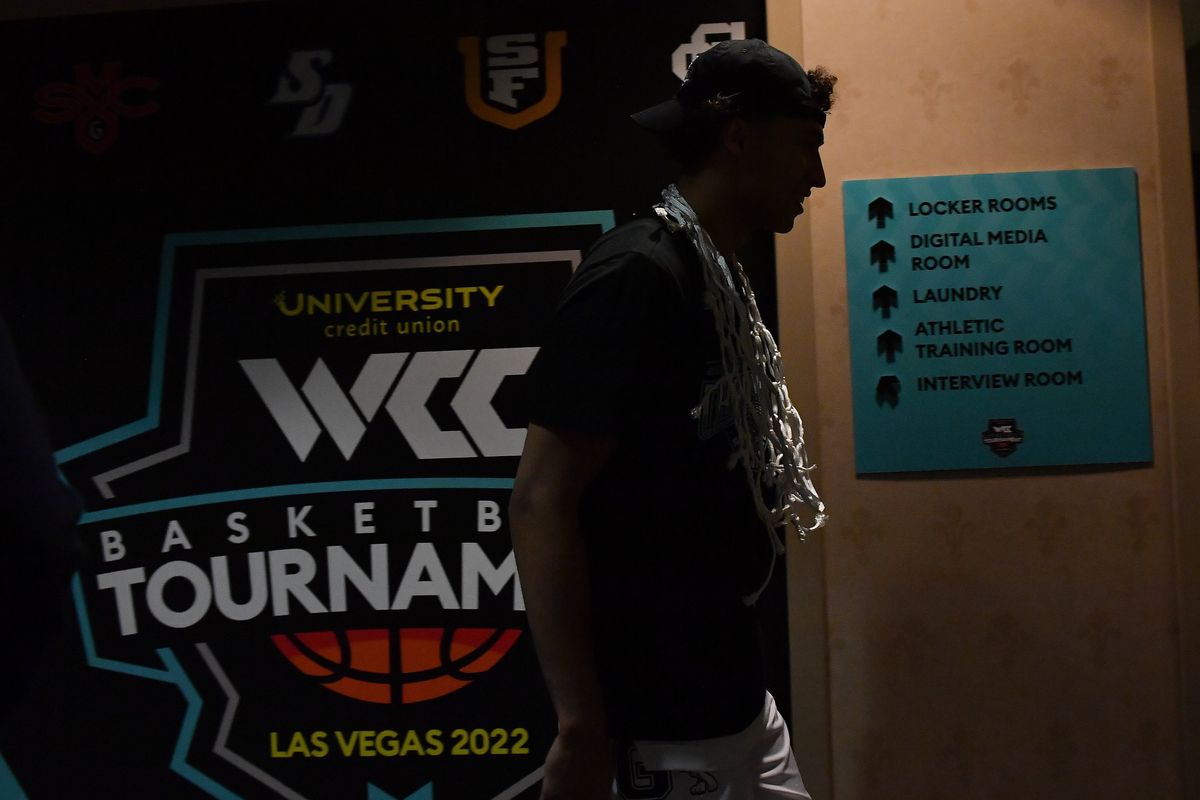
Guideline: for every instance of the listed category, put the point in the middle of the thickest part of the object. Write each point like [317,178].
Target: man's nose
[818,173]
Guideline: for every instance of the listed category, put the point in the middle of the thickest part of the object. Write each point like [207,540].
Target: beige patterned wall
[1006,634]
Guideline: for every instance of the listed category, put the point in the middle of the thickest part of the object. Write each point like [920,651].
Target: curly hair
[822,81]
[700,133]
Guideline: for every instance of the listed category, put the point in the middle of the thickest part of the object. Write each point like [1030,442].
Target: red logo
[95,103]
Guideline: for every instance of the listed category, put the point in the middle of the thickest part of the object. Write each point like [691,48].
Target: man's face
[781,165]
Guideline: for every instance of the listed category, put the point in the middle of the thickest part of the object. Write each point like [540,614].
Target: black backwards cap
[757,76]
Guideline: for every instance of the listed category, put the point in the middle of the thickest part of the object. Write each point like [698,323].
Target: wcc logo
[345,416]
[95,103]
[506,70]
[302,83]
[1002,436]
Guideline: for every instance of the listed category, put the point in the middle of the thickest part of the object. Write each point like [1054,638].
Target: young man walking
[663,457]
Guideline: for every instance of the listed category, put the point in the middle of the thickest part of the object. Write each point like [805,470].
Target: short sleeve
[596,362]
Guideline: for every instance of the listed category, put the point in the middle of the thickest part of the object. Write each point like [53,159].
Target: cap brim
[665,116]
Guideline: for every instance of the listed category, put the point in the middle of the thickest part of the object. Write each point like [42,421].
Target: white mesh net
[770,434]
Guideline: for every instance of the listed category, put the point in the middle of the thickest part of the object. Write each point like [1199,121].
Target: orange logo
[512,59]
[406,665]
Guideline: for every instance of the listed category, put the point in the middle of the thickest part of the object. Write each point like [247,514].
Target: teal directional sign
[996,321]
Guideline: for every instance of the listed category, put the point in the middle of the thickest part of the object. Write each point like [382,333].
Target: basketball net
[770,433]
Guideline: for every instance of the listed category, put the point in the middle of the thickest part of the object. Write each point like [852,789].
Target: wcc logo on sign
[513,79]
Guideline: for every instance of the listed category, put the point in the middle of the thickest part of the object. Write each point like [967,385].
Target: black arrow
[885,297]
[888,390]
[883,253]
[879,210]
[888,343]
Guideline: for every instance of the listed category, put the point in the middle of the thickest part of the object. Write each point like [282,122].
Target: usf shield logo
[510,66]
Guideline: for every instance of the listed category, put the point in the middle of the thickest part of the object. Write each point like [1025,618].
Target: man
[663,454]
[40,549]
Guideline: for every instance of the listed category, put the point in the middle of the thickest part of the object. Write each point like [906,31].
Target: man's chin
[785,226]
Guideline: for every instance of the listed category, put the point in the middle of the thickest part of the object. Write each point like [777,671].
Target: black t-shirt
[674,541]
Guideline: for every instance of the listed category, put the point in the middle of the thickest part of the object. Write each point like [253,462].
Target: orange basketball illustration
[396,665]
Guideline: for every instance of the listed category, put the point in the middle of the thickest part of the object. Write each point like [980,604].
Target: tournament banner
[277,274]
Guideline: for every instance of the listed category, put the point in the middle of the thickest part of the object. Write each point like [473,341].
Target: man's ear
[735,136]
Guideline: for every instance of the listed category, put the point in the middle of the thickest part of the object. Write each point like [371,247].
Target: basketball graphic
[396,665]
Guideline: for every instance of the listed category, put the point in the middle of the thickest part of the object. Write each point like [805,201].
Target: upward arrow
[888,343]
[887,390]
[885,298]
[879,210]
[881,253]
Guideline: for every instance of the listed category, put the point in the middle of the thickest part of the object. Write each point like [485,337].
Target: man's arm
[556,467]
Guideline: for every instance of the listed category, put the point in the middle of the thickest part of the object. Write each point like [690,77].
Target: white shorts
[754,764]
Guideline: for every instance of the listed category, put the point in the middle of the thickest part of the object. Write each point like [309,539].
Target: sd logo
[512,59]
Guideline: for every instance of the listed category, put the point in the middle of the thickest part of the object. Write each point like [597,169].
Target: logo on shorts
[303,83]
[704,37]
[95,103]
[1003,436]
[514,65]
[703,783]
[636,782]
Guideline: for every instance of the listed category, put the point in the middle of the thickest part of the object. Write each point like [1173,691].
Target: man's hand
[579,766]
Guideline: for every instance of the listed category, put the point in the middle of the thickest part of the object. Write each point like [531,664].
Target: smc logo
[96,102]
[344,415]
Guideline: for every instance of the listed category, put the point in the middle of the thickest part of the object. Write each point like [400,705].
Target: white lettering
[223,587]
[488,517]
[175,537]
[201,589]
[424,560]
[426,506]
[296,523]
[112,546]
[234,523]
[343,568]
[294,582]
[363,519]
[476,565]
[121,581]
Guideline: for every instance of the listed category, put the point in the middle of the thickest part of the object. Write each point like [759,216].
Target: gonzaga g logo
[345,416]
[511,61]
